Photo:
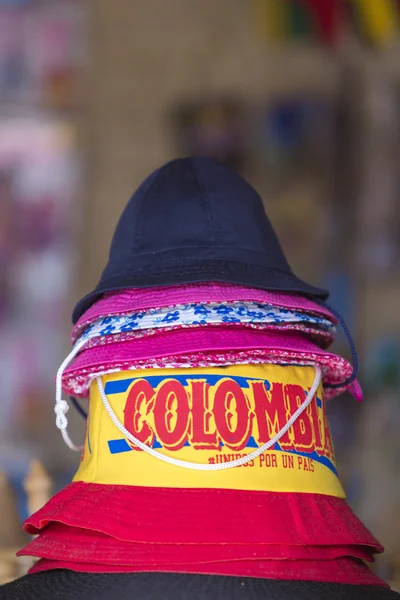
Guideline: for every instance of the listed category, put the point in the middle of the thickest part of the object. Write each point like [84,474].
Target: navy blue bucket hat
[191,221]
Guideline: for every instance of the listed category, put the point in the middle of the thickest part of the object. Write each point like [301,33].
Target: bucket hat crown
[193,220]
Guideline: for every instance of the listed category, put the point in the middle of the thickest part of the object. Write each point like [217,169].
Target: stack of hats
[207,450]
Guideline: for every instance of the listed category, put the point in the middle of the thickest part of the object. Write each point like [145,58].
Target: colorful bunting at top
[328,17]
[272,19]
[299,21]
[377,22]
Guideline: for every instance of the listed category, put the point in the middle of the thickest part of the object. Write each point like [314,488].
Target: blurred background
[302,97]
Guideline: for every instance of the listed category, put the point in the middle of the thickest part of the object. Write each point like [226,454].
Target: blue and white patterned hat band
[190,315]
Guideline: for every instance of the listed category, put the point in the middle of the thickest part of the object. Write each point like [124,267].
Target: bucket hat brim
[81,504]
[201,271]
[143,299]
[63,543]
[201,346]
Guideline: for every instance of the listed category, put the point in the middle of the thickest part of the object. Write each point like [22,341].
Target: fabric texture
[63,584]
[253,517]
[341,570]
[61,542]
[217,314]
[195,347]
[124,331]
[210,417]
[192,221]
[139,300]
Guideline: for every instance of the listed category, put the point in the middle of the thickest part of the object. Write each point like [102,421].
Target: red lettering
[171,414]
[328,443]
[317,424]
[269,407]
[138,407]
[287,461]
[208,415]
[231,414]
[203,434]
[301,432]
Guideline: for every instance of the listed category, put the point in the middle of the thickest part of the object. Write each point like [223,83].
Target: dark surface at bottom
[69,585]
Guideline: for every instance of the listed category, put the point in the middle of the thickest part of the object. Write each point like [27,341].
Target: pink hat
[193,347]
[147,298]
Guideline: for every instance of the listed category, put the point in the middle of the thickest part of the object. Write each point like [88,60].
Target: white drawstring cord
[207,467]
[61,406]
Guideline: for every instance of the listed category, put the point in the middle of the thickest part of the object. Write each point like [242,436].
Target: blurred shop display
[42,52]
[38,185]
[213,127]
[378,452]
[383,363]
[378,244]
[296,136]
[42,55]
